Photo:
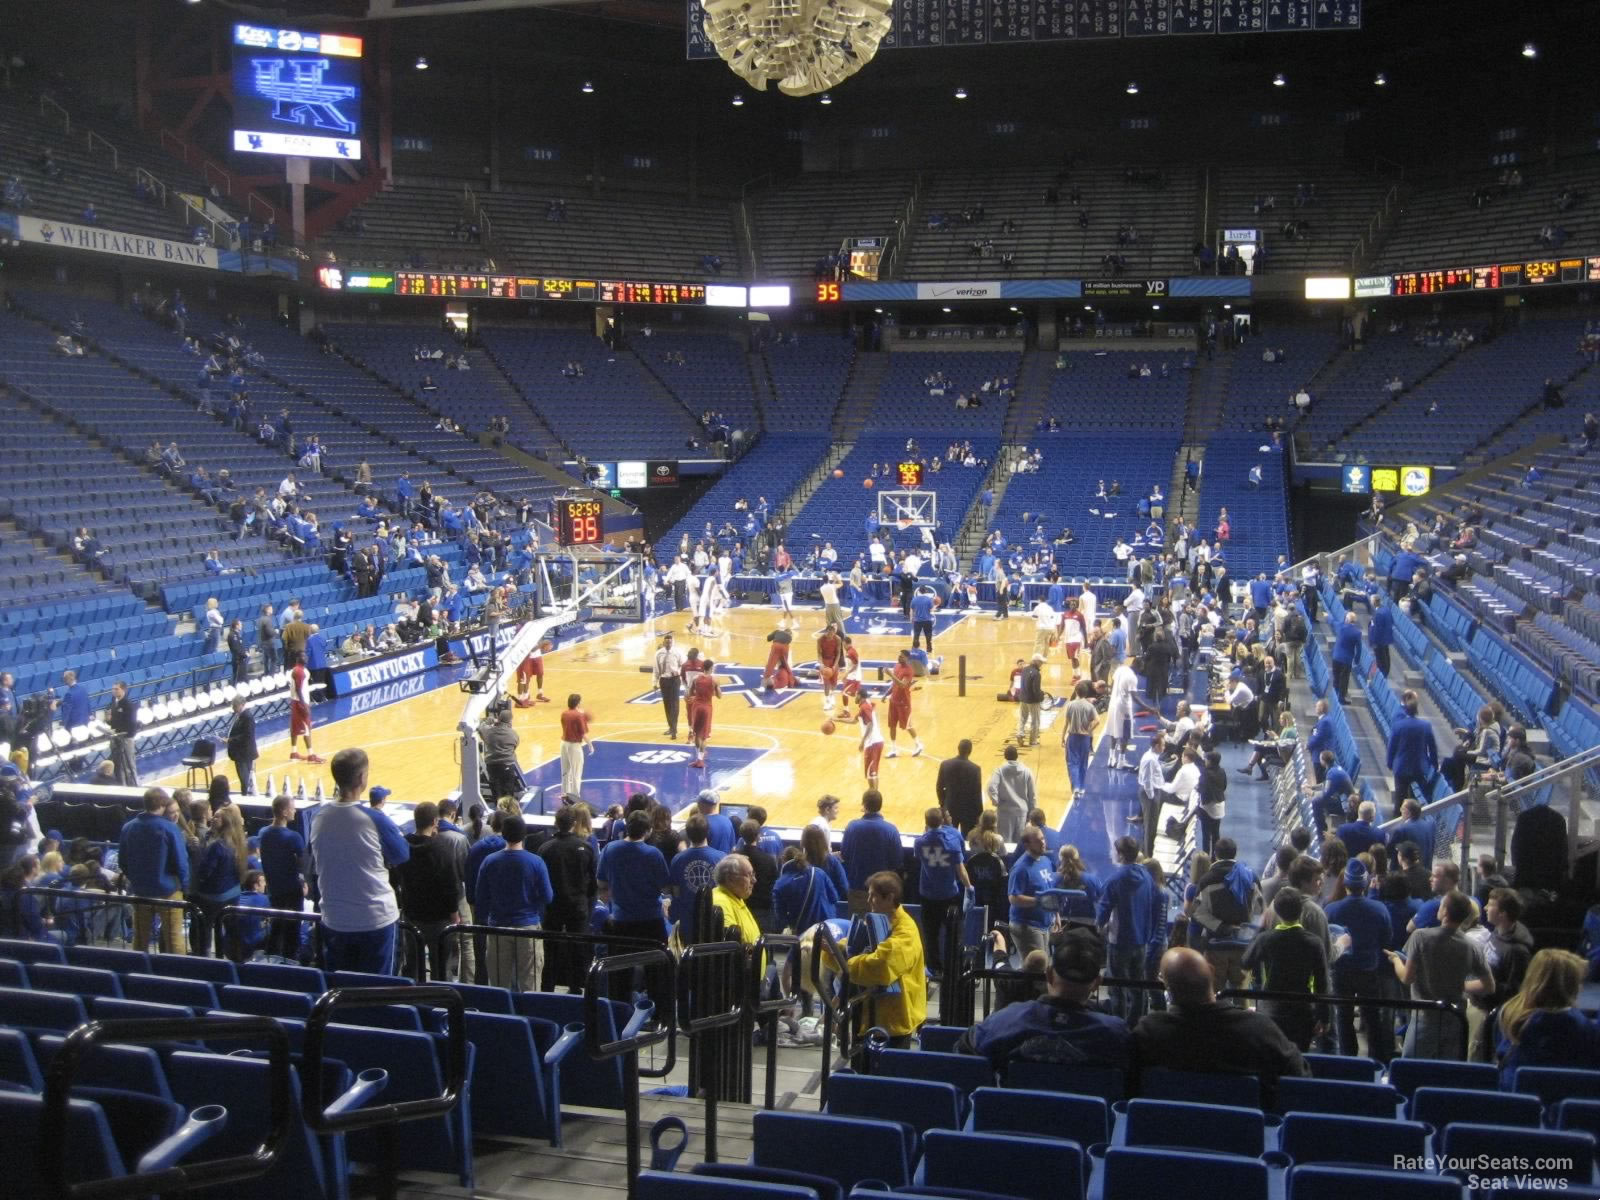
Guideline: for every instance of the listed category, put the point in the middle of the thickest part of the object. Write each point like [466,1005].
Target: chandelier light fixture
[803,46]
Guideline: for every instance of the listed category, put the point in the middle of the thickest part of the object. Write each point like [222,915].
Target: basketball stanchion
[961,675]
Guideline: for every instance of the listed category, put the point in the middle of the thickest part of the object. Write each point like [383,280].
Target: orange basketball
[866,483]
[547,645]
[838,472]
[828,726]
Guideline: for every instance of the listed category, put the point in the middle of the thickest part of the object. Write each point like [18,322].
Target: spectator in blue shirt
[941,878]
[871,844]
[21,915]
[722,833]
[1125,911]
[1405,565]
[1033,873]
[1346,644]
[1359,970]
[74,709]
[1320,739]
[1380,633]
[1443,879]
[1260,595]
[282,856]
[769,840]
[155,862]
[691,870]
[1332,807]
[1413,752]
[1360,834]
[1414,829]
[923,602]
[513,892]
[632,876]
[249,934]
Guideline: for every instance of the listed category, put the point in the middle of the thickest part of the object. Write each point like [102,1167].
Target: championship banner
[109,241]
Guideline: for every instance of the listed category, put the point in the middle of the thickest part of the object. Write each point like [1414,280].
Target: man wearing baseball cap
[1063,1025]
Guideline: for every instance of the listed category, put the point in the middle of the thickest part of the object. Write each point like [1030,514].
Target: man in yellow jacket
[896,960]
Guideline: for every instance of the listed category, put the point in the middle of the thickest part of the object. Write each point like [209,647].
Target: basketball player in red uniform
[532,668]
[830,657]
[871,740]
[702,690]
[300,711]
[778,673]
[900,681]
[851,687]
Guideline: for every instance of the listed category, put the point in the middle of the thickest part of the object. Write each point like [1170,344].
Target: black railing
[385,1118]
[165,1174]
[597,990]
[713,1014]
[765,1010]
[580,946]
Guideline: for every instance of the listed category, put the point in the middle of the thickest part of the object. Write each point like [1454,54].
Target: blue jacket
[1261,593]
[1367,921]
[1358,836]
[803,896]
[1051,1029]
[871,844]
[1127,900]
[1320,739]
[153,856]
[1405,565]
[1380,632]
[1419,831]
[1551,1039]
[1412,748]
[1346,643]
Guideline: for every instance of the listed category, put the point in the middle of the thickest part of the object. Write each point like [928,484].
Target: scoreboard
[1488,278]
[910,474]
[579,522]
[449,285]
[919,24]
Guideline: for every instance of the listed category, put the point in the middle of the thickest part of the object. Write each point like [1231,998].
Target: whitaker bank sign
[109,241]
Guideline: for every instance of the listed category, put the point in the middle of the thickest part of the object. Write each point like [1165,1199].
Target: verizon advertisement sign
[958,291]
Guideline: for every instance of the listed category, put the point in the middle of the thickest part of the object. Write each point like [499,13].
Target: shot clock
[910,474]
[579,522]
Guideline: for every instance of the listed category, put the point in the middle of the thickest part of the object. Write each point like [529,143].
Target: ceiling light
[877,310]
[1229,307]
[947,308]
[588,88]
[1133,88]
[1088,308]
[738,101]
[1156,307]
[1014,308]
[422,62]
[1529,50]
[961,93]
[825,98]
[1279,81]
[1380,80]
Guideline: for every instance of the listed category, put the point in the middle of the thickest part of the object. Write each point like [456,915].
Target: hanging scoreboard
[580,522]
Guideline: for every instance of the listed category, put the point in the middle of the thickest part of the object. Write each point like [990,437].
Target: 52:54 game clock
[579,522]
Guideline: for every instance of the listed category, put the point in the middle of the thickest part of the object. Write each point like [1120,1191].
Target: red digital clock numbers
[828,292]
[579,523]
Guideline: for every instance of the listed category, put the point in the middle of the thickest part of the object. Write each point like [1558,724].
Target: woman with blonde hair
[988,822]
[219,875]
[1073,875]
[1542,1026]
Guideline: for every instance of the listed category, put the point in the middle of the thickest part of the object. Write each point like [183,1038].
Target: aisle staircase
[550,444]
[796,500]
[859,394]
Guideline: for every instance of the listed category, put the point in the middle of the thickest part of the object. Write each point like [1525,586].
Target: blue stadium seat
[109,1065]
[1034,1167]
[668,1185]
[1082,1119]
[825,1187]
[1368,1141]
[264,1002]
[41,1010]
[1441,1107]
[284,977]
[1570,1114]
[1238,1091]
[83,981]
[1343,1183]
[31,952]
[856,1149]
[1406,1075]
[109,957]
[518,1088]
[967,1072]
[942,1038]
[1137,1173]
[1343,1066]
[13,974]
[167,989]
[1565,1154]
[1554,1084]
[109,1008]
[1175,1124]
[17,1062]
[189,966]
[1339,1096]
[917,1104]
[1109,1083]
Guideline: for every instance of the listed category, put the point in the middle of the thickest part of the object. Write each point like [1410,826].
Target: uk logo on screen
[303,98]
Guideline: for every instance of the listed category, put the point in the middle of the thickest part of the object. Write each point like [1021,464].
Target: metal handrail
[550,937]
[719,963]
[238,1168]
[765,1012]
[385,1117]
[93,137]
[46,104]
[596,991]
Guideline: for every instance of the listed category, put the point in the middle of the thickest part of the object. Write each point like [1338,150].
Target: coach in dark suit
[960,788]
[242,746]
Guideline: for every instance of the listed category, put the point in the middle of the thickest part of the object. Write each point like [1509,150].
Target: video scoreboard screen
[296,93]
[1488,278]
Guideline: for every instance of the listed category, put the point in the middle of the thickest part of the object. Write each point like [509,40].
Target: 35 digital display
[580,522]
[296,93]
[910,474]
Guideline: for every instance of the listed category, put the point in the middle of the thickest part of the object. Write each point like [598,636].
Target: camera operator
[500,752]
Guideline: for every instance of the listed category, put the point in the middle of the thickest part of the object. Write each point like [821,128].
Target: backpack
[1294,627]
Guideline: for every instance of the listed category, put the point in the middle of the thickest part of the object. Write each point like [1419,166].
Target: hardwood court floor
[772,750]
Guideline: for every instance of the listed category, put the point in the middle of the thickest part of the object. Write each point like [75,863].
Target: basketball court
[767,748]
